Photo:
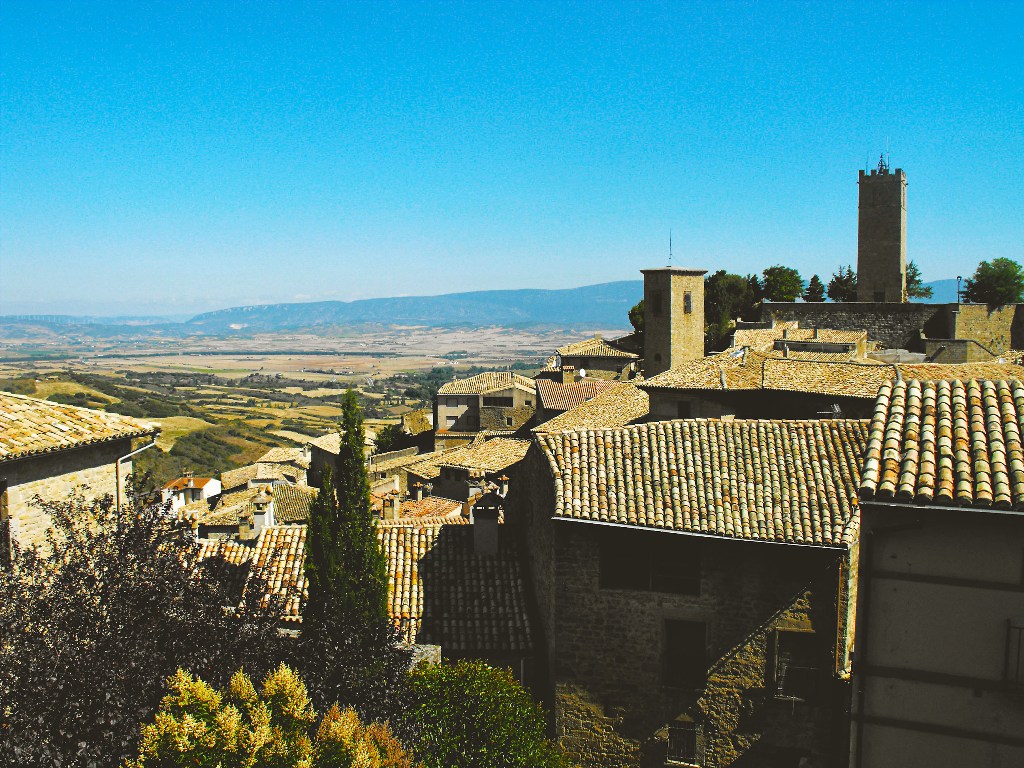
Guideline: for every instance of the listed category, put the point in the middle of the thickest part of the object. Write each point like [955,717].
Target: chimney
[484,515]
[568,374]
[262,510]
[503,486]
[785,349]
[814,335]
[389,511]
[785,333]
[417,491]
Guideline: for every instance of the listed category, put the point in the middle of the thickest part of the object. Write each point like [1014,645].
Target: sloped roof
[291,505]
[617,406]
[429,465]
[330,442]
[556,396]
[492,455]
[947,443]
[399,461]
[761,480]
[738,368]
[440,591]
[181,483]
[30,426]
[282,455]
[594,347]
[486,382]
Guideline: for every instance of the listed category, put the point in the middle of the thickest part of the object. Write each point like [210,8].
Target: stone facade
[55,475]
[673,317]
[882,236]
[607,649]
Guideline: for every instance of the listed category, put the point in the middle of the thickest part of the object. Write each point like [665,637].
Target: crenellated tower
[882,235]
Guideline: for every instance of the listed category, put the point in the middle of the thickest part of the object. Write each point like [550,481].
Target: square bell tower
[673,317]
[882,235]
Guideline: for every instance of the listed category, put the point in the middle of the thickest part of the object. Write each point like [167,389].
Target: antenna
[887,150]
[670,246]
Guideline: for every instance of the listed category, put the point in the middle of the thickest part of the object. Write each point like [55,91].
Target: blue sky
[165,158]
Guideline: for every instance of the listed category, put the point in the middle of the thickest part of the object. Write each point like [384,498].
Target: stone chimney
[391,505]
[484,516]
[568,374]
[417,491]
[262,510]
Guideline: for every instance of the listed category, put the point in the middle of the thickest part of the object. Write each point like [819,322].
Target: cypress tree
[815,290]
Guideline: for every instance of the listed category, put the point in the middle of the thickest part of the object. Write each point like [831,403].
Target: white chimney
[503,486]
[417,491]
[262,510]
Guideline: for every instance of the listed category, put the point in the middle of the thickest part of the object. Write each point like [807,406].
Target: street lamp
[958,279]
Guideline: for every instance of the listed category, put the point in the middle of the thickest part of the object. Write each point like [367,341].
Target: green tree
[636,319]
[471,715]
[843,285]
[997,283]
[349,647]
[726,298]
[94,621]
[392,437]
[781,283]
[916,289]
[815,291]
[273,728]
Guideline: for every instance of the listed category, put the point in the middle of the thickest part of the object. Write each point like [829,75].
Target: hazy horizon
[166,160]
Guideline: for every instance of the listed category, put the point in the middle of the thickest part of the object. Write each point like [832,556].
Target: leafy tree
[726,297]
[273,728]
[349,647]
[471,715]
[636,319]
[997,283]
[815,291]
[781,283]
[843,285]
[93,621]
[916,289]
[392,438]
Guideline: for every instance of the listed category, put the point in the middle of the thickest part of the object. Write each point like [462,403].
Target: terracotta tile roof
[430,506]
[615,407]
[331,442]
[439,590]
[763,339]
[233,479]
[490,456]
[399,461]
[291,505]
[947,443]
[282,455]
[234,566]
[234,552]
[429,466]
[181,483]
[556,396]
[29,426]
[740,368]
[594,347]
[782,481]
[486,382]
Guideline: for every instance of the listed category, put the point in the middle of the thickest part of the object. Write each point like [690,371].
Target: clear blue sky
[165,158]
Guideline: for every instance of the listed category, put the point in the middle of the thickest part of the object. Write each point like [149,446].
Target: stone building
[492,401]
[187,489]
[51,450]
[673,317]
[694,591]
[882,235]
[597,357]
[939,673]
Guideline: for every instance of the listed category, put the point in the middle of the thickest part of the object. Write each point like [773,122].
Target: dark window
[684,409]
[686,654]
[498,402]
[687,302]
[686,744]
[656,303]
[651,562]
[508,421]
[797,665]
[529,402]
[1015,653]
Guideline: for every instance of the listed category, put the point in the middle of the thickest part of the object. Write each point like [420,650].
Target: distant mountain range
[593,306]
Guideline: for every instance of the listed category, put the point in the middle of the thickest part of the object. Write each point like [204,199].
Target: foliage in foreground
[277,726]
[471,715]
[95,620]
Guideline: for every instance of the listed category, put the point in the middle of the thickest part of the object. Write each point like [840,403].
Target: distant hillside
[943,291]
[605,305]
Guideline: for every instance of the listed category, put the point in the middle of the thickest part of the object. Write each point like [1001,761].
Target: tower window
[687,302]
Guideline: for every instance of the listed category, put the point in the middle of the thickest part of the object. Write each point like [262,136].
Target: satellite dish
[583,373]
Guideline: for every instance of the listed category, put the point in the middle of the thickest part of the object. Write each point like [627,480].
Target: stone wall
[995,328]
[496,417]
[892,325]
[53,476]
[612,707]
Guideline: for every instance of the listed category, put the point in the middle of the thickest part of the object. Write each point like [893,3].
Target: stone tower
[673,317]
[882,235]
